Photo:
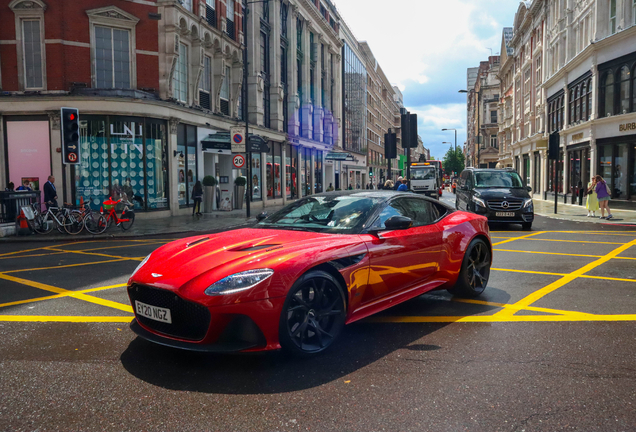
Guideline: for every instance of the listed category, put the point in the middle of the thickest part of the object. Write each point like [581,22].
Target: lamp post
[478,126]
[447,129]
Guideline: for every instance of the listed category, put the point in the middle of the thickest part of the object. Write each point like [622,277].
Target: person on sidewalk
[403,187]
[50,193]
[591,204]
[603,193]
[398,183]
[197,196]
[388,185]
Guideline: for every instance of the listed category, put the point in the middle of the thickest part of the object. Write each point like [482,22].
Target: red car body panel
[391,268]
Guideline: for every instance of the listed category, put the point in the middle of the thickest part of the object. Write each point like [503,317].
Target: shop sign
[577,137]
[339,156]
[627,127]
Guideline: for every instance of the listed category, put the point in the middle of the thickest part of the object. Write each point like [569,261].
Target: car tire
[475,271]
[313,314]
[526,226]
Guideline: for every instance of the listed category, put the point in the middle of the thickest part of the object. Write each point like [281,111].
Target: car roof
[383,195]
[507,169]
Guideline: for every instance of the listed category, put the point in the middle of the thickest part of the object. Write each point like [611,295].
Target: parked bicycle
[105,221]
[54,217]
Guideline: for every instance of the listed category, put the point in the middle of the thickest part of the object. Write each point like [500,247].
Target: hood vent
[253,248]
[196,242]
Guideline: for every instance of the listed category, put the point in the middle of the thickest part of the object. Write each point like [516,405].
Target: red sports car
[301,274]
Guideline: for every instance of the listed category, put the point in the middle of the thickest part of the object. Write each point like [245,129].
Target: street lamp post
[478,127]
[455,136]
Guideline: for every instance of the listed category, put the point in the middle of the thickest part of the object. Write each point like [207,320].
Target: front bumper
[249,326]
[520,216]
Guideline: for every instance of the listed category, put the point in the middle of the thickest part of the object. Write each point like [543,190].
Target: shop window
[291,177]
[32,53]
[536,184]
[318,171]
[624,90]
[605,163]
[274,171]
[112,58]
[257,184]
[180,78]
[123,157]
[187,162]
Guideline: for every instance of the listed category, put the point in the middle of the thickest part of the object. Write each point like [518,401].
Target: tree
[453,161]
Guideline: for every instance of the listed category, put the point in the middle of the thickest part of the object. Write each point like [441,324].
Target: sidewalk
[146,227]
[579,213]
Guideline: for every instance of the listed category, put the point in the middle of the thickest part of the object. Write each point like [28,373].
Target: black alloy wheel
[313,314]
[473,277]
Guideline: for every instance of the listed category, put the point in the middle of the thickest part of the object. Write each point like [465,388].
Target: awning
[339,156]
[217,143]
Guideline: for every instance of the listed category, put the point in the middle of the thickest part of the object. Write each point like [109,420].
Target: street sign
[69,128]
[256,144]
[238,161]
[237,139]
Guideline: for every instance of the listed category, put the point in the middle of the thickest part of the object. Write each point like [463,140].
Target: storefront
[124,157]
[616,163]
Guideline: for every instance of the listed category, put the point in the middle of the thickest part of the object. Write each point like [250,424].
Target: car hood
[215,256]
[502,193]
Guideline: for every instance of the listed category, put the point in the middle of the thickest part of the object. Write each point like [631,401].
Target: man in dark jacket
[50,193]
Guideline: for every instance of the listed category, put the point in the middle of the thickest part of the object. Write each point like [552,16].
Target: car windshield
[331,214]
[495,179]
[423,173]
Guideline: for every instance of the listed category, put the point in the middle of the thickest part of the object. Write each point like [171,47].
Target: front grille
[189,320]
[498,204]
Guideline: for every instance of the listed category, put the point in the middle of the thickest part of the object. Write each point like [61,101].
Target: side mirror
[528,188]
[261,217]
[398,223]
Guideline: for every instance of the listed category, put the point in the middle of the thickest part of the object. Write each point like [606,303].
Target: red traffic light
[71,116]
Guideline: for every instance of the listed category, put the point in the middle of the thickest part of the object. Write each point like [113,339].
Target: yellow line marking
[31,256]
[20,251]
[608,278]
[65,266]
[500,319]
[37,299]
[77,319]
[73,294]
[625,258]
[518,238]
[528,271]
[98,254]
[547,253]
[530,308]
[528,300]
[571,241]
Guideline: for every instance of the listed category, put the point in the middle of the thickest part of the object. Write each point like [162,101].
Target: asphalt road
[548,347]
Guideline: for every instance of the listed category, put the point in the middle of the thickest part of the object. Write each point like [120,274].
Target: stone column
[318,108]
[293,103]
[254,80]
[275,86]
[174,166]
[337,102]
[327,114]
[306,103]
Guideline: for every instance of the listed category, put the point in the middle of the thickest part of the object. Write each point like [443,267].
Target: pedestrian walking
[603,193]
[50,193]
[398,183]
[403,187]
[388,185]
[197,196]
[591,203]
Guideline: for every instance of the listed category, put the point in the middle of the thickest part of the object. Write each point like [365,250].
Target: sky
[425,47]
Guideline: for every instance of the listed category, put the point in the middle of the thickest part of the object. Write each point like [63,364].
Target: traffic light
[390,145]
[70,136]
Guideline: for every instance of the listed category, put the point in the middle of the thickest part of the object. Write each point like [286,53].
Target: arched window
[583,102]
[589,99]
[577,99]
[624,94]
[608,90]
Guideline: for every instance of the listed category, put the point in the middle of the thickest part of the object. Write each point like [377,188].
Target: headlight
[528,204]
[141,264]
[239,282]
[479,201]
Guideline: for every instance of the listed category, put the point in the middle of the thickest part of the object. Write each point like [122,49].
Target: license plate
[505,214]
[153,312]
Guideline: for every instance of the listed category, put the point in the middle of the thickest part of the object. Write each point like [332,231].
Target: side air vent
[196,242]
[342,263]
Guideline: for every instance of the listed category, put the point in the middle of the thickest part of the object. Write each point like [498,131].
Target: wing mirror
[528,188]
[398,223]
[261,217]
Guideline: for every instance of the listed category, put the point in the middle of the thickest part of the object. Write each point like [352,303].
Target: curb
[42,238]
[584,219]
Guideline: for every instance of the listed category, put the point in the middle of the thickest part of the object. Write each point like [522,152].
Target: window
[112,57]
[493,141]
[180,79]
[229,15]
[187,4]
[206,85]
[608,88]
[225,92]
[584,102]
[493,116]
[538,71]
[187,162]
[612,16]
[264,54]
[210,12]
[624,90]
[32,49]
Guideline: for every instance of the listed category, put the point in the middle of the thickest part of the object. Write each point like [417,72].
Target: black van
[498,194]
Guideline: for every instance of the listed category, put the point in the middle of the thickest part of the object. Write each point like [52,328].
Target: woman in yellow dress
[592,200]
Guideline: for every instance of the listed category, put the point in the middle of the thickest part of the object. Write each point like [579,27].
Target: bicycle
[78,219]
[104,222]
[54,217]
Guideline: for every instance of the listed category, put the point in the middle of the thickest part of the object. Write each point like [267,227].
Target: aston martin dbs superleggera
[297,277]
